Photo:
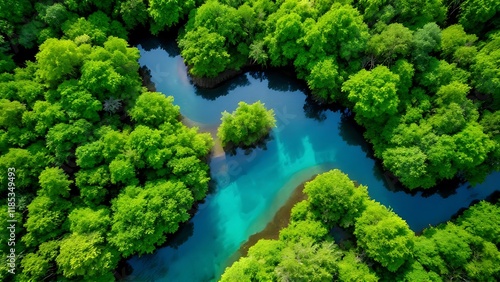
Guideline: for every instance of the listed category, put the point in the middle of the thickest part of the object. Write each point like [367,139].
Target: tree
[40,265]
[352,269]
[325,80]
[11,113]
[133,13]
[142,216]
[204,52]
[87,255]
[425,40]
[63,137]
[334,198]
[259,265]
[153,109]
[315,230]
[43,117]
[54,183]
[22,160]
[92,184]
[374,94]
[394,41]
[88,220]
[165,13]
[454,37]
[475,14]
[307,261]
[409,164]
[247,125]
[283,40]
[57,60]
[384,236]
[45,221]
[472,146]
[482,220]
[340,32]
[486,70]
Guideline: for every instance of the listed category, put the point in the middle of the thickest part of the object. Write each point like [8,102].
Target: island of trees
[104,169]
[246,126]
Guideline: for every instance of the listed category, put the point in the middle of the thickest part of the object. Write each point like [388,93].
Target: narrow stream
[252,186]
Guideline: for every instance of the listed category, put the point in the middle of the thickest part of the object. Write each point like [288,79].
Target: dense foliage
[424,86]
[104,169]
[247,125]
[382,246]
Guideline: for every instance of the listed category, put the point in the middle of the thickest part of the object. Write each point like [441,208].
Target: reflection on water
[250,187]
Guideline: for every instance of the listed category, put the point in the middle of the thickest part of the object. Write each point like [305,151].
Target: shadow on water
[281,79]
[232,150]
[166,40]
[444,188]
[181,236]
[212,94]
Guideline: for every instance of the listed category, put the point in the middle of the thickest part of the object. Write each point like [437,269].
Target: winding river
[250,186]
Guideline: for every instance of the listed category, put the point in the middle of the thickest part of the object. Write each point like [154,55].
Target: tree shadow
[182,235]
[232,149]
[212,94]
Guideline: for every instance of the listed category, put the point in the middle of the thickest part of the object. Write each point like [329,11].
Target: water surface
[250,187]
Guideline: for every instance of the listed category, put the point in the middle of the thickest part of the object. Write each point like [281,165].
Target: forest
[382,246]
[105,169]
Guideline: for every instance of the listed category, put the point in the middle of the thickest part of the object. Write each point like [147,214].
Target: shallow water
[252,186]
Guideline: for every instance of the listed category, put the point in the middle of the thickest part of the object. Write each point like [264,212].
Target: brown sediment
[279,221]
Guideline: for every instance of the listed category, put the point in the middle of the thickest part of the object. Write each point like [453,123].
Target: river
[250,187]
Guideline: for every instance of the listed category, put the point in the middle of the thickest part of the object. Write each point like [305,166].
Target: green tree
[476,14]
[54,183]
[482,220]
[409,164]
[57,60]
[374,94]
[307,261]
[335,199]
[486,70]
[166,13]
[133,12]
[246,125]
[205,52]
[153,109]
[393,42]
[353,269]
[87,220]
[384,236]
[325,80]
[142,216]
[454,37]
[340,32]
[425,40]
[46,219]
[86,255]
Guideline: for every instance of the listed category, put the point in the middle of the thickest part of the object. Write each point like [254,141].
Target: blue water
[251,186]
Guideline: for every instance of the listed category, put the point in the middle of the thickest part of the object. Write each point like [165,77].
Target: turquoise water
[251,186]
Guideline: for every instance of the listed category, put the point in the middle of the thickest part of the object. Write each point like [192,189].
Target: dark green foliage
[247,125]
